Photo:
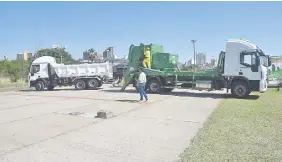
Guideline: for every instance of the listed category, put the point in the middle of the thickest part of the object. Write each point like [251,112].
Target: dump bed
[97,69]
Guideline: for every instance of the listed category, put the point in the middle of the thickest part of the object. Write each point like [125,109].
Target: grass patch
[241,130]
[12,85]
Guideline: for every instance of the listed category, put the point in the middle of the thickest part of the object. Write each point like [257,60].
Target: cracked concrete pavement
[37,126]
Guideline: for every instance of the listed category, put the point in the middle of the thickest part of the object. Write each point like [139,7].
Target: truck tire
[168,89]
[93,83]
[79,84]
[50,88]
[239,89]
[100,84]
[154,86]
[40,86]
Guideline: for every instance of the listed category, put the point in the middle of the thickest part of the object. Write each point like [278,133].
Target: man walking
[141,85]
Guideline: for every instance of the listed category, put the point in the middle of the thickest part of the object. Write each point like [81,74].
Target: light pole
[23,67]
[111,58]
[193,42]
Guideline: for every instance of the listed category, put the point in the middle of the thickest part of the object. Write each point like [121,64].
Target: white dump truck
[45,73]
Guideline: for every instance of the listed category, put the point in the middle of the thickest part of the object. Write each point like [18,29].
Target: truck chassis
[160,82]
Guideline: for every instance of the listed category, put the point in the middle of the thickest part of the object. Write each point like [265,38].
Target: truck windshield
[264,61]
[35,68]
[263,57]
[260,52]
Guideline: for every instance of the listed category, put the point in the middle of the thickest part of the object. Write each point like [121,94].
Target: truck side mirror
[269,62]
[32,74]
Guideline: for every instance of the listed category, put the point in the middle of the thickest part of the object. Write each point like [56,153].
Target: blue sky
[83,25]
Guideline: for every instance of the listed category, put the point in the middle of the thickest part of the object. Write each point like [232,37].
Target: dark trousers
[142,92]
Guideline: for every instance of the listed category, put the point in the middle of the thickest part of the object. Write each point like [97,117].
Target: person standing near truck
[141,82]
[147,58]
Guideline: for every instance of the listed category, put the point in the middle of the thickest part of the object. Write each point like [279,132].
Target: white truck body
[69,73]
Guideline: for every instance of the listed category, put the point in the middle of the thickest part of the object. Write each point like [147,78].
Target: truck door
[220,64]
[249,67]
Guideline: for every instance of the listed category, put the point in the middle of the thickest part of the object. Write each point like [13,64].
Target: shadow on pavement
[118,91]
[32,90]
[188,94]
[208,95]
[129,101]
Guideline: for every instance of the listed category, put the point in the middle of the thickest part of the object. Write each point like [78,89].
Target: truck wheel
[154,86]
[240,89]
[39,86]
[168,89]
[100,84]
[50,88]
[79,84]
[93,83]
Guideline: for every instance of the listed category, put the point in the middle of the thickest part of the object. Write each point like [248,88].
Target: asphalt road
[61,126]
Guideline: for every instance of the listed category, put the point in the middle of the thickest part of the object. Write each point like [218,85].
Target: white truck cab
[246,65]
[39,69]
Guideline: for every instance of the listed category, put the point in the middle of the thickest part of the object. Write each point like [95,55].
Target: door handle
[240,73]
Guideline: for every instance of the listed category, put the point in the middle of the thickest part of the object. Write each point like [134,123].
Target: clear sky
[98,25]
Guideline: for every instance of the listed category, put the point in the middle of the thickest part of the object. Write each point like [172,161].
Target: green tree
[13,69]
[92,55]
[58,54]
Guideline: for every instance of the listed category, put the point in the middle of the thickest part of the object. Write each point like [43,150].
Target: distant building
[201,59]
[108,53]
[3,58]
[85,56]
[213,62]
[58,47]
[99,56]
[24,56]
[190,62]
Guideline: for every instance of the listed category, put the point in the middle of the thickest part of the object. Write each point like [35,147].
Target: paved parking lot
[60,125]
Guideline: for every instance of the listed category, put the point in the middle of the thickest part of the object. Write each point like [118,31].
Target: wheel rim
[79,85]
[39,86]
[153,87]
[92,83]
[240,90]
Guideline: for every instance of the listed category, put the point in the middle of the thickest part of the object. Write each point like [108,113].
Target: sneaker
[146,99]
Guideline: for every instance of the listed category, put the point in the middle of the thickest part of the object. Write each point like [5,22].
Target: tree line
[13,69]
[19,69]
